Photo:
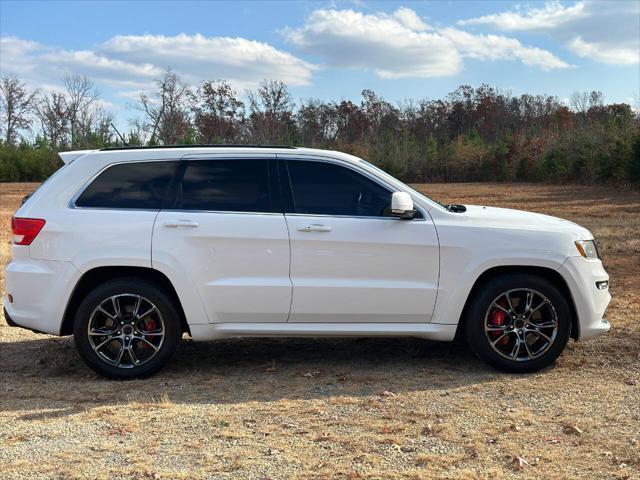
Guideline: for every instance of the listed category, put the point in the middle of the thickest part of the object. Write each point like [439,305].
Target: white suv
[128,248]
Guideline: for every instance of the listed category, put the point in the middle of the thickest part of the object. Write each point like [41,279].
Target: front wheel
[518,323]
[127,328]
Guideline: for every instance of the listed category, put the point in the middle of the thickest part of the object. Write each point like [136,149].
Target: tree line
[473,134]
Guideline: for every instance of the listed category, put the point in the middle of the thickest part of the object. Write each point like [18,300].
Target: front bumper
[590,302]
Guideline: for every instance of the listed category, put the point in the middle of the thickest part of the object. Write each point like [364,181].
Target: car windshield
[382,172]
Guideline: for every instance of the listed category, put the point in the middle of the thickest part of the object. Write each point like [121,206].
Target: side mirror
[402,205]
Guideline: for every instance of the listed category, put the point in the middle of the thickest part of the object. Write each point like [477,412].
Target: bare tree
[17,104]
[93,127]
[636,105]
[166,110]
[271,110]
[381,115]
[54,119]
[81,96]
[316,122]
[219,113]
[580,102]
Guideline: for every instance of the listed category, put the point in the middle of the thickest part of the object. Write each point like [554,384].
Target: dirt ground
[347,408]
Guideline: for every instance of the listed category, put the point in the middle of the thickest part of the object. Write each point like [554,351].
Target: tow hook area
[8,319]
[11,323]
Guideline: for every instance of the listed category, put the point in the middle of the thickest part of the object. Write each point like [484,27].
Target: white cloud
[619,55]
[196,57]
[552,15]
[496,47]
[384,43]
[107,70]
[44,66]
[402,45]
[13,47]
[13,54]
[410,19]
[131,63]
[107,105]
[605,31]
[130,94]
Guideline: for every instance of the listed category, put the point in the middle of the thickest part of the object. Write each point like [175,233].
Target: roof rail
[150,147]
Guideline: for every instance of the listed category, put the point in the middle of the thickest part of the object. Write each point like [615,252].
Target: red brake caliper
[150,324]
[498,318]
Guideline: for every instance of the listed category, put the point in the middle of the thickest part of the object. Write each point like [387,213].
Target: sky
[330,50]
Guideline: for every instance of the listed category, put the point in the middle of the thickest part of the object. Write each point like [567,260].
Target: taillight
[25,229]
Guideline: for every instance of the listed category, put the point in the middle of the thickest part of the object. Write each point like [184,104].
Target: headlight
[587,248]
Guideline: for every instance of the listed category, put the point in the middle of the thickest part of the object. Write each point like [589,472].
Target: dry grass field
[347,408]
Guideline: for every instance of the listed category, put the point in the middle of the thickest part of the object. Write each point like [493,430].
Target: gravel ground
[342,408]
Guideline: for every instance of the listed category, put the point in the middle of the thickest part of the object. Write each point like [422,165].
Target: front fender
[461,270]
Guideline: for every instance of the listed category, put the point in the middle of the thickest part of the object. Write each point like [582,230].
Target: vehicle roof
[178,151]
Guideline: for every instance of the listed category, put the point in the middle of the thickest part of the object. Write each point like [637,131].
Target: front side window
[323,188]
[140,185]
[239,185]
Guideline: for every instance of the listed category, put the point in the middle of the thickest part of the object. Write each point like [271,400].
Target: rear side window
[141,185]
[237,185]
[323,188]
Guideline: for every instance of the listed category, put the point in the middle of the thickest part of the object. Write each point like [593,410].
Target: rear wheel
[518,323]
[127,328]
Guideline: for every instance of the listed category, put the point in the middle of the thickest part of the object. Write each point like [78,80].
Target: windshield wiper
[452,207]
[455,207]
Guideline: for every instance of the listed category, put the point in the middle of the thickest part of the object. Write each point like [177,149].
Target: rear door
[226,230]
[350,260]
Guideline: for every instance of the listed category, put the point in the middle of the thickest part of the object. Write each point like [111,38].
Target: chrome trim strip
[223,212]
[321,215]
[153,210]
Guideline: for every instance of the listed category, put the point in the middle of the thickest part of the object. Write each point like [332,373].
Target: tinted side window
[330,189]
[130,185]
[226,185]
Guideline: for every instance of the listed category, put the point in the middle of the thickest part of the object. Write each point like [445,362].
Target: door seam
[290,261]
[153,231]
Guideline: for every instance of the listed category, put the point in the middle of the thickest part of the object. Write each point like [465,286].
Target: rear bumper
[7,318]
[11,323]
[40,290]
[591,303]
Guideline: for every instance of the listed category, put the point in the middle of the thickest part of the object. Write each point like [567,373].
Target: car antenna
[121,137]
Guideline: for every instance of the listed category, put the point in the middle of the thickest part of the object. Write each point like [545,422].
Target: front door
[350,260]
[226,232]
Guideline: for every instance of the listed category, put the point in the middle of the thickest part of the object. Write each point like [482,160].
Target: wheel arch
[96,276]
[548,273]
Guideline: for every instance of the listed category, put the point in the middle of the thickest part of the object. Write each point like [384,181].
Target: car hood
[521,220]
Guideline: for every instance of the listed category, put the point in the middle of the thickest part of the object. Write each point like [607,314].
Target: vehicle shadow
[46,374]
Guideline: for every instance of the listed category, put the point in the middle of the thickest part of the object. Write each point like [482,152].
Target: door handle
[181,223]
[315,228]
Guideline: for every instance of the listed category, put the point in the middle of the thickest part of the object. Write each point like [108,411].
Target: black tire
[153,338]
[484,310]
